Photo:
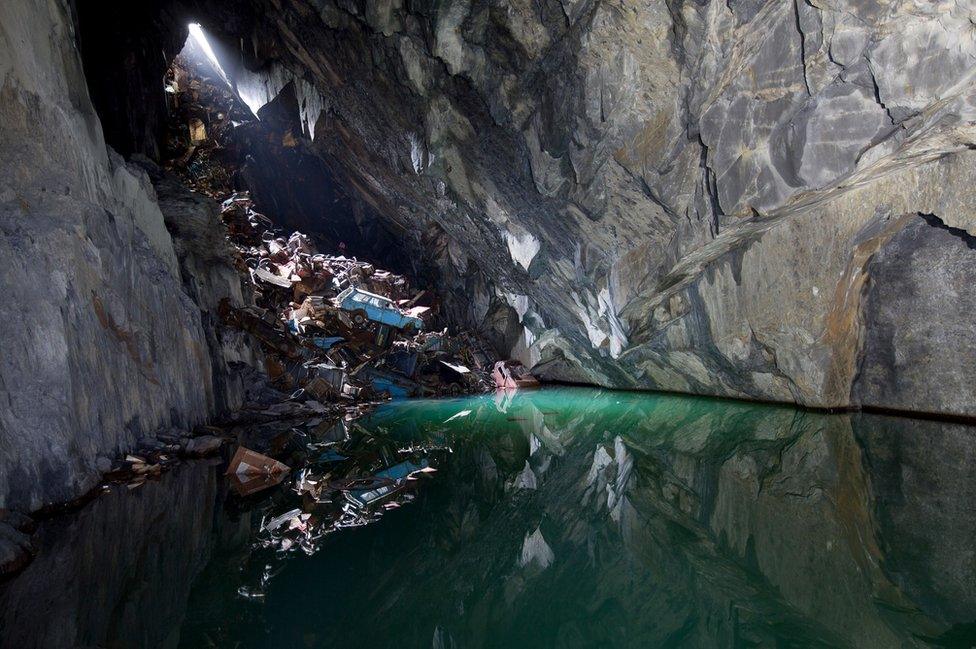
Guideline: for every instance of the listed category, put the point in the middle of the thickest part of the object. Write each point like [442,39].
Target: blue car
[363,306]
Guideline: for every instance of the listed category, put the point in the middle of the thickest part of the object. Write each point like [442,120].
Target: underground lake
[562,517]
[491,324]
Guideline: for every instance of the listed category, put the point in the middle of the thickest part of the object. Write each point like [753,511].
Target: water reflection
[118,572]
[348,481]
[560,518]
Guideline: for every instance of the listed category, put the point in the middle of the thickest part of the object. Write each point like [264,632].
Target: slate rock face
[660,194]
[707,197]
[926,270]
[101,345]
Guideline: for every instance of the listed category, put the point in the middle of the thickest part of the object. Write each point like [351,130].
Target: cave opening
[236,134]
[221,138]
[197,100]
[260,127]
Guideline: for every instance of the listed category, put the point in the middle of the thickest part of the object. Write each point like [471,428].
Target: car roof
[368,294]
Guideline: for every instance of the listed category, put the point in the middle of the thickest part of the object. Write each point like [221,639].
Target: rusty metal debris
[250,463]
[511,375]
[251,471]
[339,329]
[349,478]
[313,311]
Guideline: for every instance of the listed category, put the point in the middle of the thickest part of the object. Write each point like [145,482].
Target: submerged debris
[251,471]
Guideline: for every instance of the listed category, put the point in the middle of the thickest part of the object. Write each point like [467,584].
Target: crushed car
[362,306]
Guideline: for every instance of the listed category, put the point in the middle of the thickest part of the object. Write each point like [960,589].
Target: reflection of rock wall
[923,486]
[801,518]
[663,194]
[117,573]
[681,520]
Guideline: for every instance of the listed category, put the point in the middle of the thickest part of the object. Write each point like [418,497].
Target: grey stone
[15,550]
[926,270]
[203,445]
[680,195]
[18,520]
[102,344]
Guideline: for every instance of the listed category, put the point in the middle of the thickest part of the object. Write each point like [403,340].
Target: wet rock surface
[102,346]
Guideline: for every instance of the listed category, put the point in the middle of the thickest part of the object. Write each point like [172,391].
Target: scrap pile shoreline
[338,336]
[336,329]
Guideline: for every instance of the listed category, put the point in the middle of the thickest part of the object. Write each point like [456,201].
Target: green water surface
[564,517]
[582,518]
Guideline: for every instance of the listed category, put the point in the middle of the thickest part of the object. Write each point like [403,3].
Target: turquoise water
[570,518]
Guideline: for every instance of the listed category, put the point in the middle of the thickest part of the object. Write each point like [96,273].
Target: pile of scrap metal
[203,114]
[336,328]
[340,329]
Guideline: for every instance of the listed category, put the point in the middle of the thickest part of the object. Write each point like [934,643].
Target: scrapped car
[362,306]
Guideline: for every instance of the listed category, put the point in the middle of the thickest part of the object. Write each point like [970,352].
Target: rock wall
[658,194]
[766,200]
[101,345]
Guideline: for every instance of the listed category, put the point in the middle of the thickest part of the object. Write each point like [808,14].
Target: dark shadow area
[126,51]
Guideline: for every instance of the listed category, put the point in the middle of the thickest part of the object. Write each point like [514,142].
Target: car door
[380,312]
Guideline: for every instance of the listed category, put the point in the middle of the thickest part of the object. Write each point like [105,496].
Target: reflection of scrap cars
[512,375]
[389,481]
[362,306]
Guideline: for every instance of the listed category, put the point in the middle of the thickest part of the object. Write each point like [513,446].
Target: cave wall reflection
[686,522]
[117,572]
[564,517]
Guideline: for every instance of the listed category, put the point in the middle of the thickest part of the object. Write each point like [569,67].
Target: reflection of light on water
[196,33]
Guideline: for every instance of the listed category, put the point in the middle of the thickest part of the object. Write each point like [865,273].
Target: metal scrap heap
[338,329]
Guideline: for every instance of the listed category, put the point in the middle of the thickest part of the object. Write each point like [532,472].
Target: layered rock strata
[765,200]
